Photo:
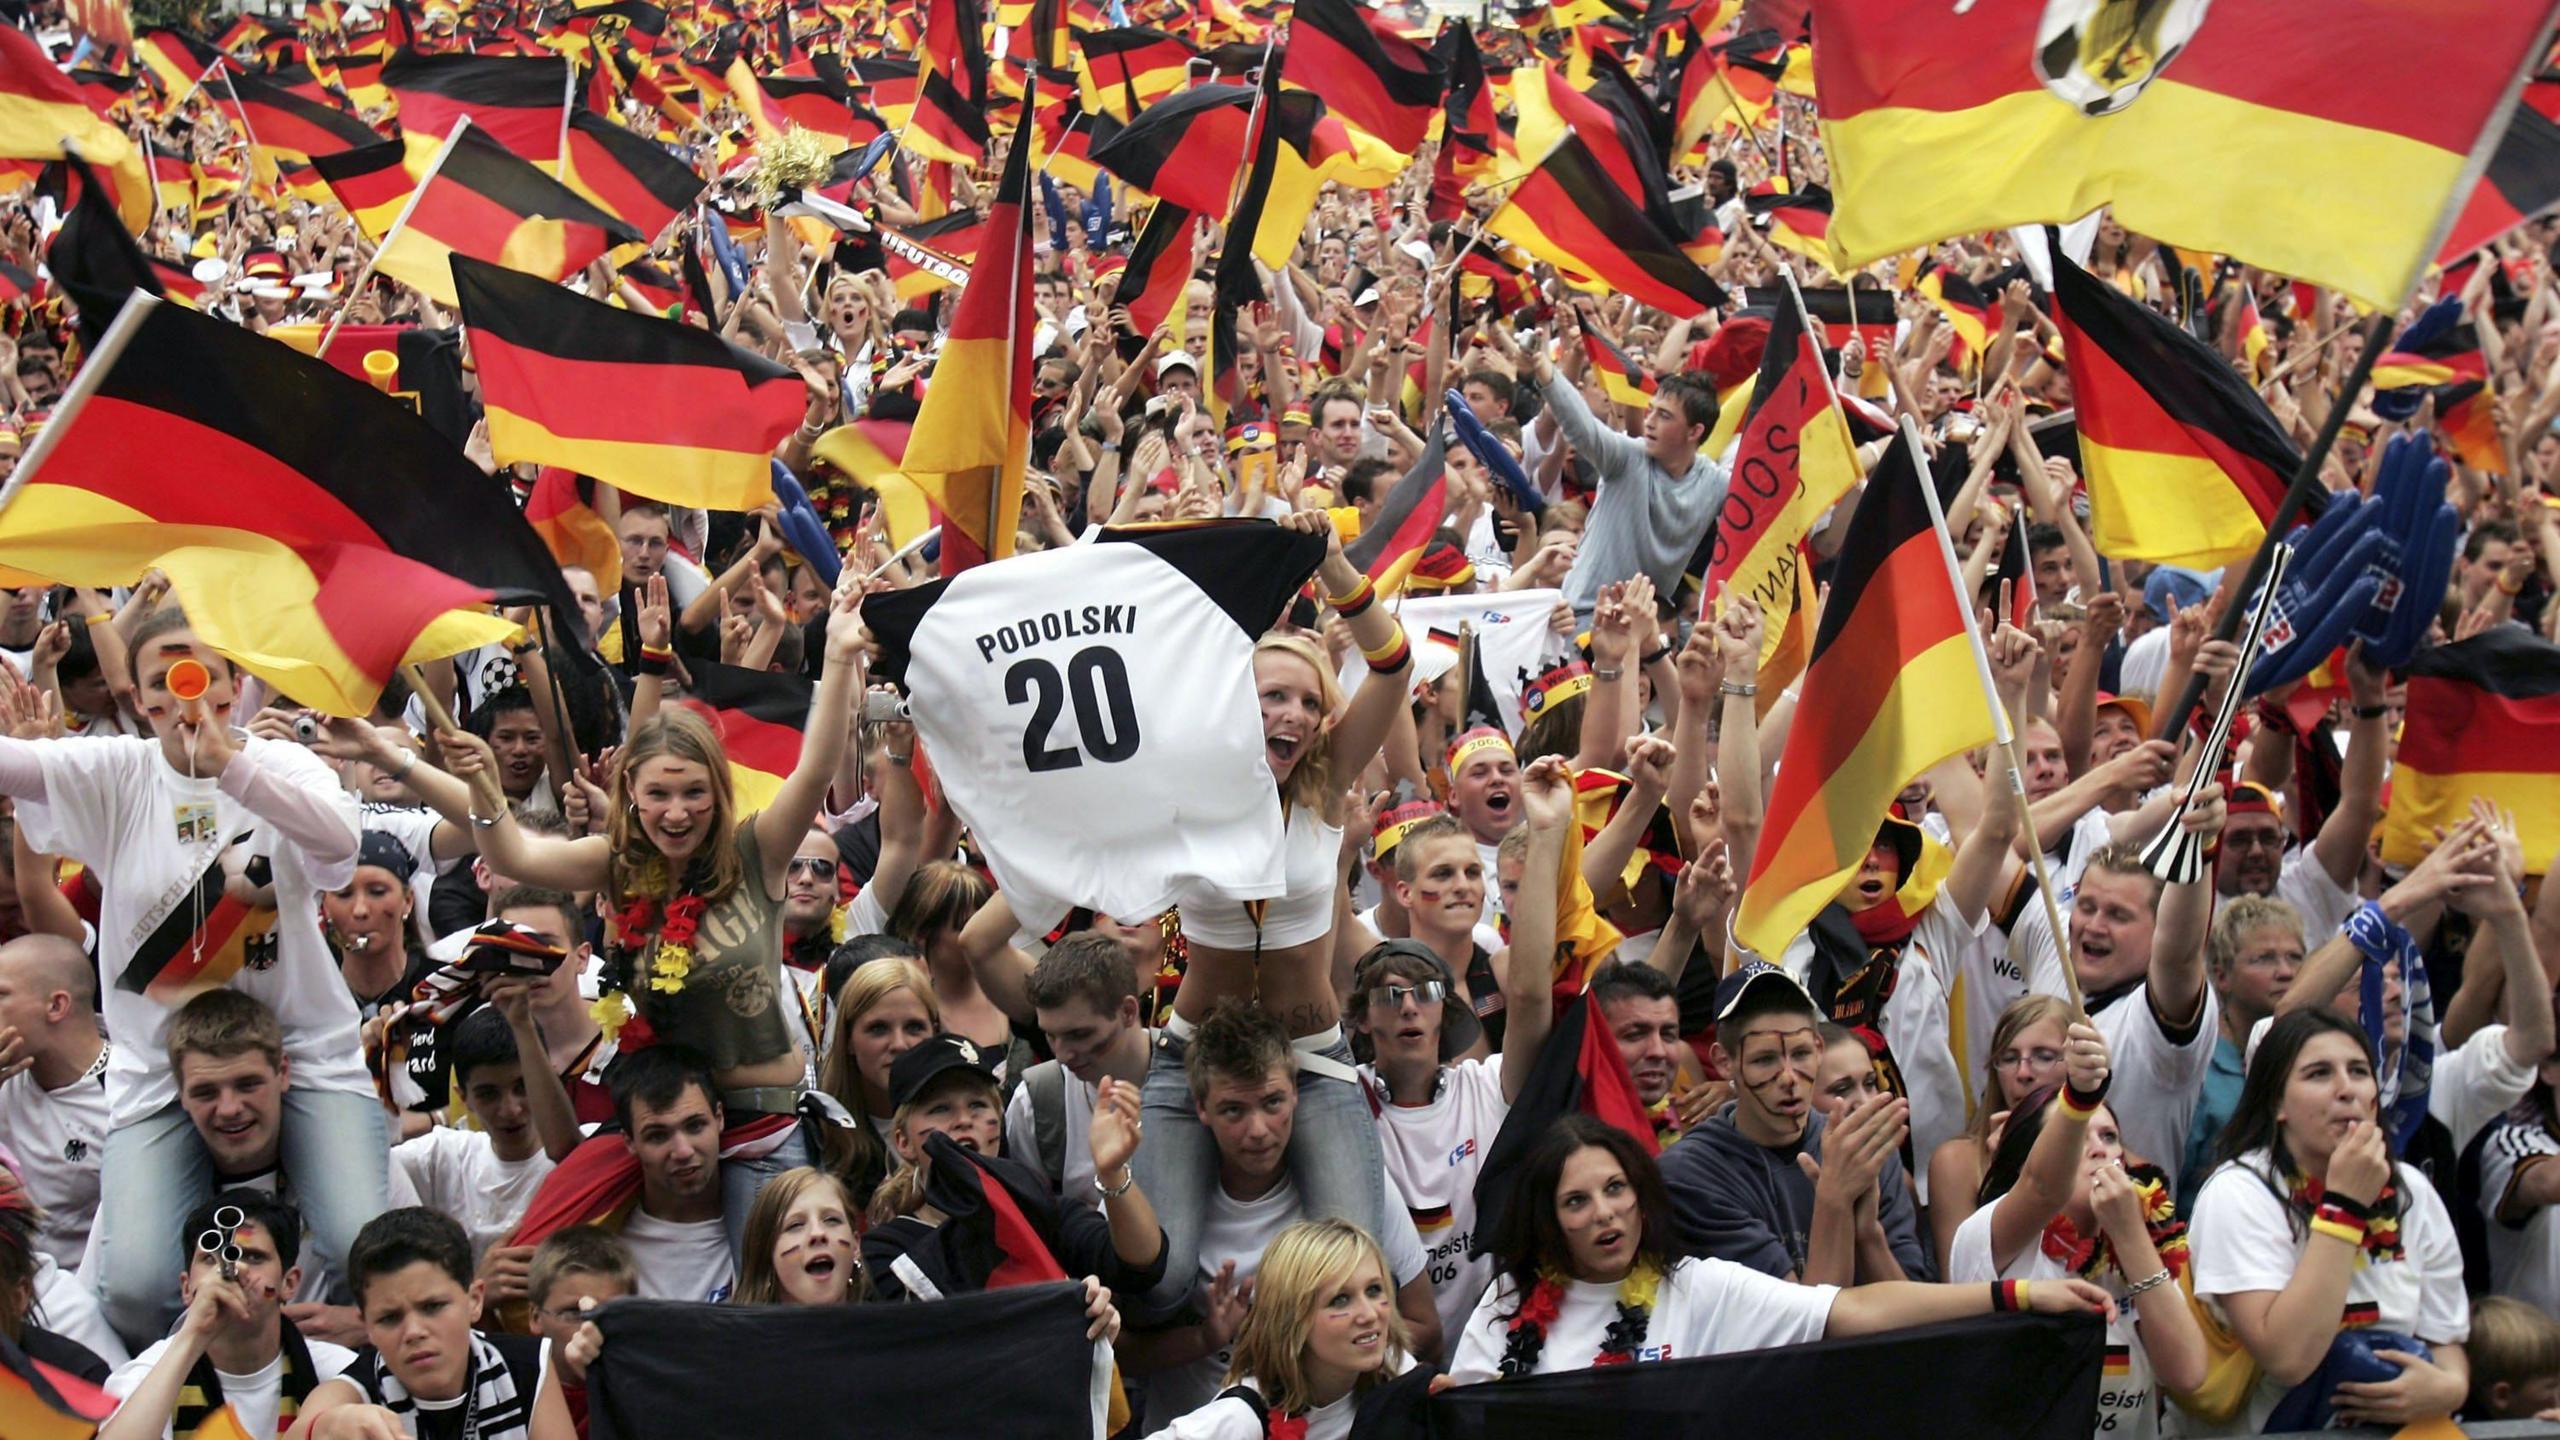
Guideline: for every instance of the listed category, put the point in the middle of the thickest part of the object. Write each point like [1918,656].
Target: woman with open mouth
[1587,1272]
[1323,1329]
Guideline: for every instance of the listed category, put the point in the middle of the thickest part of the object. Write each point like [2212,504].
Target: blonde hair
[2512,1342]
[675,733]
[1300,1270]
[858,1156]
[903,1192]
[2024,1014]
[758,1284]
[1311,783]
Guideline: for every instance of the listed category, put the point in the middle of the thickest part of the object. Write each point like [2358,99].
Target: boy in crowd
[520,1123]
[424,1372]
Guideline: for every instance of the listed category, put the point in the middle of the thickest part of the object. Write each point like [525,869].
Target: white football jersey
[1090,712]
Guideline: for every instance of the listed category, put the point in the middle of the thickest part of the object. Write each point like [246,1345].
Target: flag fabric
[1569,213]
[2522,179]
[562,510]
[630,176]
[2024,1377]
[1160,266]
[935,255]
[479,200]
[1968,311]
[2205,134]
[1794,462]
[1797,220]
[1032,1372]
[319,533]
[1624,379]
[2185,465]
[1864,313]
[1121,72]
[972,438]
[2483,722]
[1890,690]
[286,124]
[950,121]
[1366,73]
[1186,149]
[43,115]
[992,1237]
[774,103]
[1391,544]
[41,1402]
[760,718]
[653,407]
[2253,337]
[520,101]
[96,262]
[1578,1071]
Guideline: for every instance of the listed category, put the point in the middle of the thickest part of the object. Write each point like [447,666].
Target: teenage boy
[234,1350]
[485,1176]
[424,1372]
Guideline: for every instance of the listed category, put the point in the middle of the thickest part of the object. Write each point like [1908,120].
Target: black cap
[1459,1027]
[1731,989]
[910,1073]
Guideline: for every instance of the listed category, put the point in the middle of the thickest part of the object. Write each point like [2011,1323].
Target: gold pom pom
[795,160]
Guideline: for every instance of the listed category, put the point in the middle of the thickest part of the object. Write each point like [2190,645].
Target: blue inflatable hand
[802,529]
[2426,570]
[2319,603]
[2408,489]
[1491,454]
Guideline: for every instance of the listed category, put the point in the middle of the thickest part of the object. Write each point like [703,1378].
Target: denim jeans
[1334,1156]
[334,1157]
[741,1179]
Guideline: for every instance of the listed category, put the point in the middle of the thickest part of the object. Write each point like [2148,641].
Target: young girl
[1586,1274]
[885,1009]
[2062,1198]
[1280,951]
[695,890]
[2308,1228]
[800,1243]
[2026,1056]
[1323,1329]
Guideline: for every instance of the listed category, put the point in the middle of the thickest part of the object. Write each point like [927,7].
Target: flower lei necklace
[2090,1257]
[650,951]
[1528,1331]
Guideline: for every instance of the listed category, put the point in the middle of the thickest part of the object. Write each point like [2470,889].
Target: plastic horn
[382,367]
[188,680]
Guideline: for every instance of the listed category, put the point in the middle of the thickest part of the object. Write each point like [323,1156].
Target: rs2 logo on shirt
[1460,1155]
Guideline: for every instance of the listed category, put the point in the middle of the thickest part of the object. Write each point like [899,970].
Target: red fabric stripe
[2455,727]
[463,219]
[1608,1090]
[1348,87]
[121,450]
[1414,529]
[696,406]
[1908,607]
[531,134]
[203,961]
[2117,411]
[375,603]
[1027,1260]
[752,743]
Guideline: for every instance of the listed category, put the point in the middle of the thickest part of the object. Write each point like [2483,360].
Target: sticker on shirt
[195,821]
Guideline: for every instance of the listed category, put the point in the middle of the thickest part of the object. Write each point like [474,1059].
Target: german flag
[1160,265]
[1968,311]
[299,179]
[1124,71]
[1571,214]
[43,115]
[1889,692]
[476,200]
[935,255]
[888,85]
[179,59]
[630,176]
[1579,1071]
[1861,313]
[2185,465]
[2207,135]
[775,103]
[106,91]
[1604,122]
[1067,136]
[1797,220]
[292,126]
[519,101]
[1366,74]
[1794,463]
[39,1402]
[760,719]
[950,121]
[1469,126]
[1391,544]
[2523,176]
[1624,379]
[561,509]
[973,432]
[2252,333]
[319,535]
[1186,149]
[95,262]
[656,408]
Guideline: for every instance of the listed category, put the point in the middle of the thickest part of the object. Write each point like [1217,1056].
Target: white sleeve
[431,1163]
[1969,1256]
[1228,1419]
[1401,1243]
[2156,1082]
[1477,1353]
[83,779]
[2307,886]
[2444,1307]
[2511,1149]
[1753,1311]
[863,915]
[2476,1083]
[301,800]
[2241,1237]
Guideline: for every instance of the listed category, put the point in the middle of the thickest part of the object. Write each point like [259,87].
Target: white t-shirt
[318,1279]
[1704,1307]
[116,806]
[1434,1153]
[57,1137]
[679,1260]
[2153,1084]
[69,1308]
[459,1173]
[1233,1418]
[2128,1396]
[2524,1260]
[2245,1239]
[1240,1230]
[2474,1084]
[252,1397]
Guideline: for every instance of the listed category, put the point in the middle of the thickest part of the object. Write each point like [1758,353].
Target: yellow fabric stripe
[2351,206]
[2421,802]
[1934,710]
[675,474]
[2167,509]
[969,445]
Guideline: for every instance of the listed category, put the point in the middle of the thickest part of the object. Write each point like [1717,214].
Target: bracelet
[2145,1286]
[408,762]
[2348,1208]
[1392,656]
[1655,656]
[520,651]
[2506,589]
[101,618]
[657,665]
[1608,672]
[1743,688]
[477,819]
[2339,1230]
[2007,1295]
[2080,1104]
[2370,712]
[1128,1177]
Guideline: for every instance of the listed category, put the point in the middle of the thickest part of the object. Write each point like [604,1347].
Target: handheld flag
[470,197]
[2484,721]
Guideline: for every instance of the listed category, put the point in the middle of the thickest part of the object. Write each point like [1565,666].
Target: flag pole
[366,274]
[91,374]
[2003,735]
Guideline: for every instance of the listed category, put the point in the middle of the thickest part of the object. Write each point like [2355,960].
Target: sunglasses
[1421,993]
[823,869]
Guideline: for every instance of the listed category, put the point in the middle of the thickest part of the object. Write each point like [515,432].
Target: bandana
[1469,744]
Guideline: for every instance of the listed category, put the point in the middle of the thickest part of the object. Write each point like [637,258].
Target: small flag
[2484,722]
[759,718]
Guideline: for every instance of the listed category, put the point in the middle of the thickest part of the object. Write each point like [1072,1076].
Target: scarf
[200,1398]
[2091,1257]
[492,1410]
[2381,1233]
[2405,1074]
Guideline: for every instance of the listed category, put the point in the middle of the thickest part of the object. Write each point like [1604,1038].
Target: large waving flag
[653,407]
[1123,71]
[950,121]
[467,196]
[319,533]
[519,100]
[1391,544]
[1891,690]
[2230,127]
[41,1402]
[1159,268]
[761,720]
[631,176]
[1571,214]
[2484,722]
[972,437]
[1367,74]
[284,123]
[1186,149]
[2523,175]
[2184,462]
[43,115]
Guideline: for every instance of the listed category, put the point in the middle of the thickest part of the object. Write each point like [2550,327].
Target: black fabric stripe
[1167,225]
[362,161]
[505,82]
[1146,146]
[942,96]
[2508,660]
[346,128]
[1777,357]
[2187,377]
[479,162]
[774,699]
[530,313]
[669,180]
[2525,168]
[1588,188]
[175,929]
[1402,85]
[1889,515]
[1250,568]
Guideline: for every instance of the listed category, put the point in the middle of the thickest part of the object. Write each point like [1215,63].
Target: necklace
[650,951]
[1528,1331]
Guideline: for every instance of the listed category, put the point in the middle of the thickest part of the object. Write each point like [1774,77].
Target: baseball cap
[1734,986]
[1459,1027]
[1173,358]
[910,1074]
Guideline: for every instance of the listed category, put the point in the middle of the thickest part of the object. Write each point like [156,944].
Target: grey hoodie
[1738,1200]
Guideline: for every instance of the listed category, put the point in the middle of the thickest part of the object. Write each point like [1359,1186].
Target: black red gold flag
[760,718]
[520,101]
[1366,73]
[2484,722]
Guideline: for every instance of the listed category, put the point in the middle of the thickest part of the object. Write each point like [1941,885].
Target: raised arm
[2339,847]
[780,824]
[1363,727]
[468,795]
[1528,979]
[1003,971]
[2019,1216]
[2186,912]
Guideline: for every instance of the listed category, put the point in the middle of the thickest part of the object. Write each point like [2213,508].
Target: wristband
[654,661]
[1354,600]
[2339,1230]
[1656,655]
[2370,712]
[101,618]
[2348,1208]
[2081,1104]
[1392,656]
[2377,936]
[408,762]
[1608,672]
[2004,1296]
[1743,688]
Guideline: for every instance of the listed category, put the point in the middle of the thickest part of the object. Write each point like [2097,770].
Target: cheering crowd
[352,1066]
